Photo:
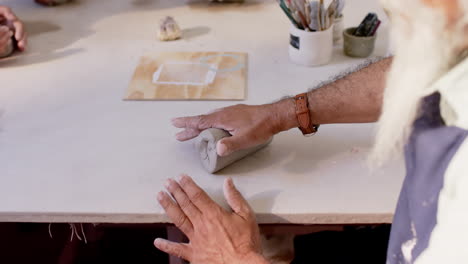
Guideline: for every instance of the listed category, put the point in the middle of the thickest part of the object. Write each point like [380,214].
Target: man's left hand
[216,235]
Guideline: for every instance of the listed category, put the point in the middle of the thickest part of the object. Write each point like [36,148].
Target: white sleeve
[449,239]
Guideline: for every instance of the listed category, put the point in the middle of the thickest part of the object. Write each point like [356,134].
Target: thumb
[228,145]
[175,249]
[235,200]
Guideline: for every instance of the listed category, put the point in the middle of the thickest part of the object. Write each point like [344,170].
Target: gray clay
[206,146]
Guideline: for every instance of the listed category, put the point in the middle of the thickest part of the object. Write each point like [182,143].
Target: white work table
[71,150]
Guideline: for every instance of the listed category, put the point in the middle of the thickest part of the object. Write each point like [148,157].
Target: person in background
[51,2]
[11,30]
[420,98]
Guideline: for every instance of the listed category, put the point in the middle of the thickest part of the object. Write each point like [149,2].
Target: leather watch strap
[303,115]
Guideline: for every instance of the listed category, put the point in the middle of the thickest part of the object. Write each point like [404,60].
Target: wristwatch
[303,115]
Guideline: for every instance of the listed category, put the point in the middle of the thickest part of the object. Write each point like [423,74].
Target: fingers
[200,122]
[183,200]
[175,214]
[175,249]
[187,134]
[20,34]
[196,195]
[236,201]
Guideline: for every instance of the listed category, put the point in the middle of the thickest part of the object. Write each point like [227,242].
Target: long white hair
[429,38]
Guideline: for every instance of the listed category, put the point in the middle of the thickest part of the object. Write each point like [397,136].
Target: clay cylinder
[206,146]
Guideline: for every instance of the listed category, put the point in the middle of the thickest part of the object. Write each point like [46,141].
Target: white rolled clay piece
[8,51]
[206,146]
[169,30]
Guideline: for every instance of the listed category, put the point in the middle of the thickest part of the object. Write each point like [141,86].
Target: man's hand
[216,235]
[9,19]
[249,125]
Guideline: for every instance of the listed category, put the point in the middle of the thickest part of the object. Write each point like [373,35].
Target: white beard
[424,53]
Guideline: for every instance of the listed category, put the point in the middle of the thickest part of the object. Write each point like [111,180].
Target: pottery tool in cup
[368,26]
[314,23]
[310,15]
[288,13]
[206,143]
[338,22]
[331,13]
[339,8]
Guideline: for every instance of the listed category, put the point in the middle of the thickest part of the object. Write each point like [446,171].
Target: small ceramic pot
[338,28]
[310,48]
[359,47]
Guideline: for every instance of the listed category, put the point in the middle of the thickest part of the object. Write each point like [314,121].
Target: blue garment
[430,149]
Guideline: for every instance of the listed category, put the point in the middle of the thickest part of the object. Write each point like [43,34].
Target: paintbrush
[339,8]
[322,15]
[331,10]
[300,6]
[374,28]
[288,13]
[365,28]
[307,12]
[303,20]
[314,16]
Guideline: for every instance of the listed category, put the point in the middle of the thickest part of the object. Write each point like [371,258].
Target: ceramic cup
[310,48]
[359,47]
[338,28]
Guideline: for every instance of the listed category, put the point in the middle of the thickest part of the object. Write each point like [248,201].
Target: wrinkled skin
[216,235]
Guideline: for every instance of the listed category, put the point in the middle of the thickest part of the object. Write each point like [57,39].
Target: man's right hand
[249,125]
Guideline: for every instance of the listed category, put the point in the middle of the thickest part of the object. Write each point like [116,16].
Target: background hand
[216,235]
[5,39]
[9,19]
